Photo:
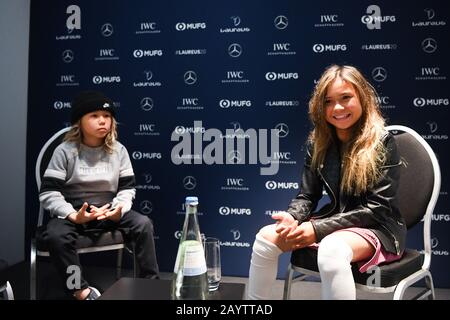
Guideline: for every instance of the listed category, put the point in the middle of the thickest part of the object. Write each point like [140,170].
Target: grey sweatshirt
[87,175]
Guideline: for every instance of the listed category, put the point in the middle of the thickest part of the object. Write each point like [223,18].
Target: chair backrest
[420,177]
[420,182]
[43,160]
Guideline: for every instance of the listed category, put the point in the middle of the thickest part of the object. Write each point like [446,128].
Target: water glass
[212,256]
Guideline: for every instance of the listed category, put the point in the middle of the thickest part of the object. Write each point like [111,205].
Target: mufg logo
[138,155]
[105,79]
[373,18]
[434,102]
[225,211]
[319,47]
[141,53]
[273,185]
[182,26]
[272,76]
[58,105]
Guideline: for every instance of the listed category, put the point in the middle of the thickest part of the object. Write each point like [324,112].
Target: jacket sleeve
[310,191]
[375,204]
[51,193]
[126,190]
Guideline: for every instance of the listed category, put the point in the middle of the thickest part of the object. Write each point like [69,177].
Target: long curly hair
[362,161]
[76,135]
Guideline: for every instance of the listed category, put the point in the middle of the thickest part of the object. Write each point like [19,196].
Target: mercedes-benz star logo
[107,29]
[190,77]
[68,56]
[379,74]
[281,22]
[189,182]
[429,45]
[234,156]
[146,207]
[282,130]
[235,50]
[147,104]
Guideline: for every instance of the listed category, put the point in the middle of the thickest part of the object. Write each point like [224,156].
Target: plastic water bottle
[190,273]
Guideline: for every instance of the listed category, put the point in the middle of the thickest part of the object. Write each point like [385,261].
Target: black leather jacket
[376,209]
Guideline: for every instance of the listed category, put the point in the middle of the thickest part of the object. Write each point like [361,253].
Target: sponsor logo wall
[212,99]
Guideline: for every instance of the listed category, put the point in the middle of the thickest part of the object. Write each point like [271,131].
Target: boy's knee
[144,224]
[56,238]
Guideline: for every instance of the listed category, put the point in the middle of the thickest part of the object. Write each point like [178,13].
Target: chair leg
[9,291]
[33,270]
[6,291]
[414,278]
[119,263]
[135,264]
[288,283]
[430,286]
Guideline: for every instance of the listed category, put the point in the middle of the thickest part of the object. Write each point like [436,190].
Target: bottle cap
[191,200]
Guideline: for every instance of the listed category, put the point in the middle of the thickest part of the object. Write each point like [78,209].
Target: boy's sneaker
[94,294]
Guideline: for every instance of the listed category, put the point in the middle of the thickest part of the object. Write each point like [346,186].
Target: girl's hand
[285,223]
[302,236]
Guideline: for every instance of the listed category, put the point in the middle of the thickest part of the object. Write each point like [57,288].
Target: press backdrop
[235,65]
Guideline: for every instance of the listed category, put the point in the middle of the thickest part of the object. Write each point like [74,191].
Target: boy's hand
[99,211]
[82,216]
[114,214]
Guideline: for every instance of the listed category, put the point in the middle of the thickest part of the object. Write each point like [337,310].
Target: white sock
[334,258]
[263,268]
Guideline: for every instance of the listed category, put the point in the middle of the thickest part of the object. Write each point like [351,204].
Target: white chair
[6,291]
[86,243]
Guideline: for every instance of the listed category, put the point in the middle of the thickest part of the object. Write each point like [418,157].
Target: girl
[350,154]
[89,184]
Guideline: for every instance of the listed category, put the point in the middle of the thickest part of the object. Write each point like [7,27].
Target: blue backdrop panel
[233,65]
